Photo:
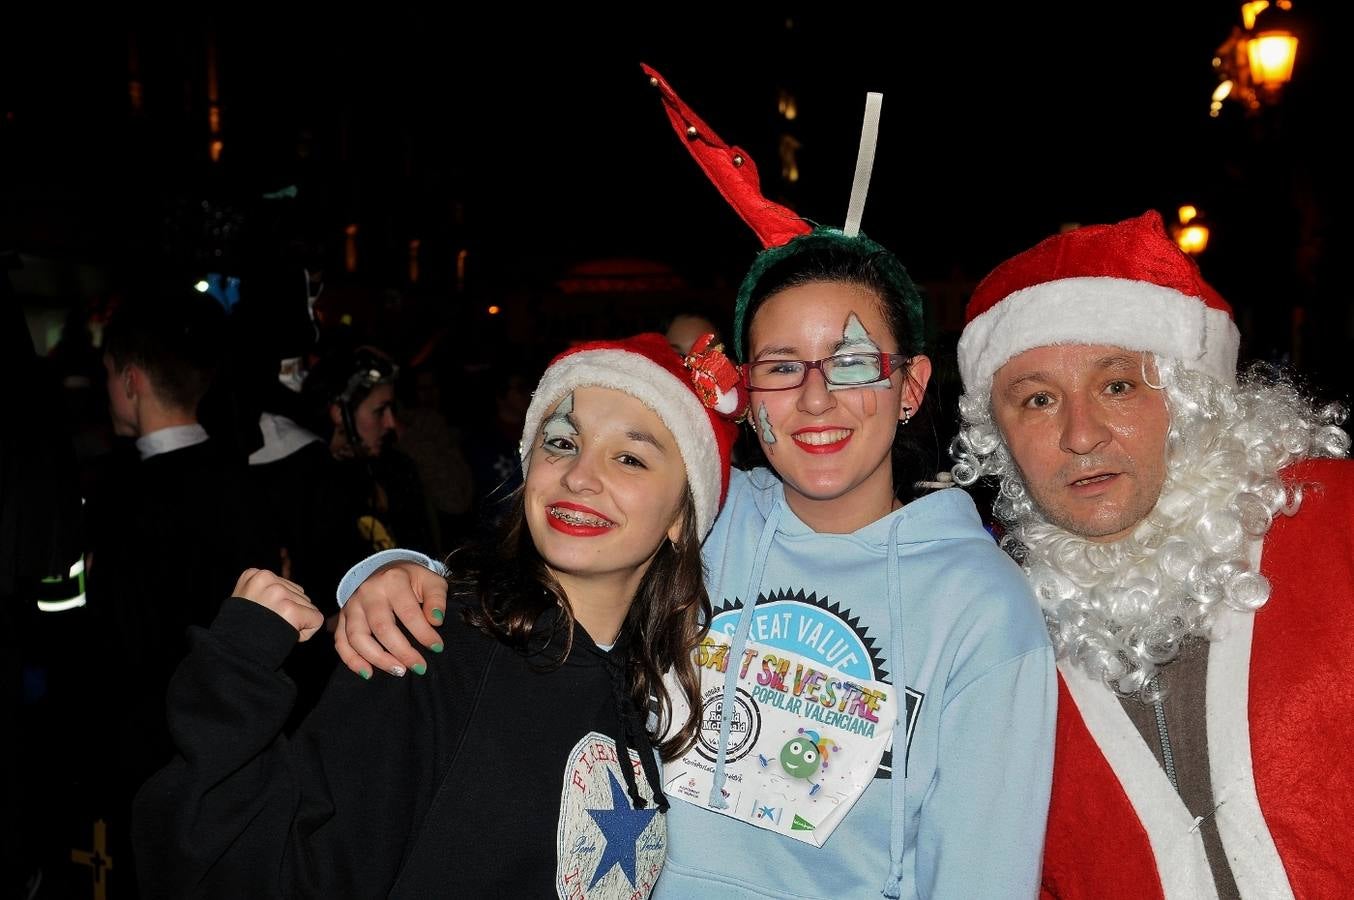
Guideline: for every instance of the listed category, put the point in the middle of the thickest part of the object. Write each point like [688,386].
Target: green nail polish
[366,674]
[438,615]
[438,648]
[421,669]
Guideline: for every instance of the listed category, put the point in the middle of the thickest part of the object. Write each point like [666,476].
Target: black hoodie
[486,777]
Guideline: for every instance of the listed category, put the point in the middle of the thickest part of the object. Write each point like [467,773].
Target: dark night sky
[997,126]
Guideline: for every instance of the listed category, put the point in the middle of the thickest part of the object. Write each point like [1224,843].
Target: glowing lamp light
[1271,56]
[1191,234]
[1256,60]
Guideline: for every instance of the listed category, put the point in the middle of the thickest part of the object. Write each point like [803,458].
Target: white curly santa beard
[1122,610]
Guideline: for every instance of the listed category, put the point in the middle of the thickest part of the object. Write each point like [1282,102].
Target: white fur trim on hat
[1118,312]
[675,403]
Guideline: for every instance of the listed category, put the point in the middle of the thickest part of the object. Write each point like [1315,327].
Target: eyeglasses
[842,370]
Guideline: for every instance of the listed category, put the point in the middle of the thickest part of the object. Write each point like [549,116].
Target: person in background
[684,328]
[429,439]
[173,522]
[493,454]
[41,591]
[351,393]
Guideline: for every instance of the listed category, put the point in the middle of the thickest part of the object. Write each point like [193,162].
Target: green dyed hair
[822,242]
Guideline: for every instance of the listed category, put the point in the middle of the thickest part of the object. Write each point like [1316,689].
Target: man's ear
[134,381]
[335,415]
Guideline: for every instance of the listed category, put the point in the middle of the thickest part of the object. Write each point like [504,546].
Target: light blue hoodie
[926,592]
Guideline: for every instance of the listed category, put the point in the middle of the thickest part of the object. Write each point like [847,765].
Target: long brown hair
[508,589]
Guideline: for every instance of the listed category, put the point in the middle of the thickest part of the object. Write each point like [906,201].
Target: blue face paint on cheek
[764,421]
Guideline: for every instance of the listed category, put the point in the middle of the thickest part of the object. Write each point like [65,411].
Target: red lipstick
[576,529]
[843,437]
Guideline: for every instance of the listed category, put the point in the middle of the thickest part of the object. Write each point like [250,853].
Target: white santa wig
[1123,609]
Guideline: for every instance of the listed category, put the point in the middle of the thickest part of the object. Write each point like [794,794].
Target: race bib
[805,740]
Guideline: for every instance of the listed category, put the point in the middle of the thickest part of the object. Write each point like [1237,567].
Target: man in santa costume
[1191,545]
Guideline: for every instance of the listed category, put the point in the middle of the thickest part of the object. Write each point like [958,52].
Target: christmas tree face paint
[764,422]
[559,432]
[855,339]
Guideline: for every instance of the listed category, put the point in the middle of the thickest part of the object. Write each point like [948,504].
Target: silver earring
[907,414]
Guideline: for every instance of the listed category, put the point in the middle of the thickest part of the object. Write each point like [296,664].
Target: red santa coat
[1280,720]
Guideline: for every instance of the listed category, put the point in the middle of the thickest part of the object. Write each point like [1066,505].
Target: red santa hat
[1125,285]
[699,398]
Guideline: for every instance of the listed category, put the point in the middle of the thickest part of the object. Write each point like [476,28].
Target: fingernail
[421,669]
[438,648]
[397,671]
[365,674]
[438,614]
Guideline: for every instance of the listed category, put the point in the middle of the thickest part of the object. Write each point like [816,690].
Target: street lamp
[1191,232]
[1273,47]
[1256,60]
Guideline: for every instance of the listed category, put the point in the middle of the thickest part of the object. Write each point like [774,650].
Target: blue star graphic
[621,826]
[768,812]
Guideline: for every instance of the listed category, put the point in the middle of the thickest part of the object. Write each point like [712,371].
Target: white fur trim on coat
[1177,845]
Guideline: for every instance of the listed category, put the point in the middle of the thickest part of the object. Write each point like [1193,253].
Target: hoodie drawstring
[624,740]
[898,782]
[740,637]
[648,760]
